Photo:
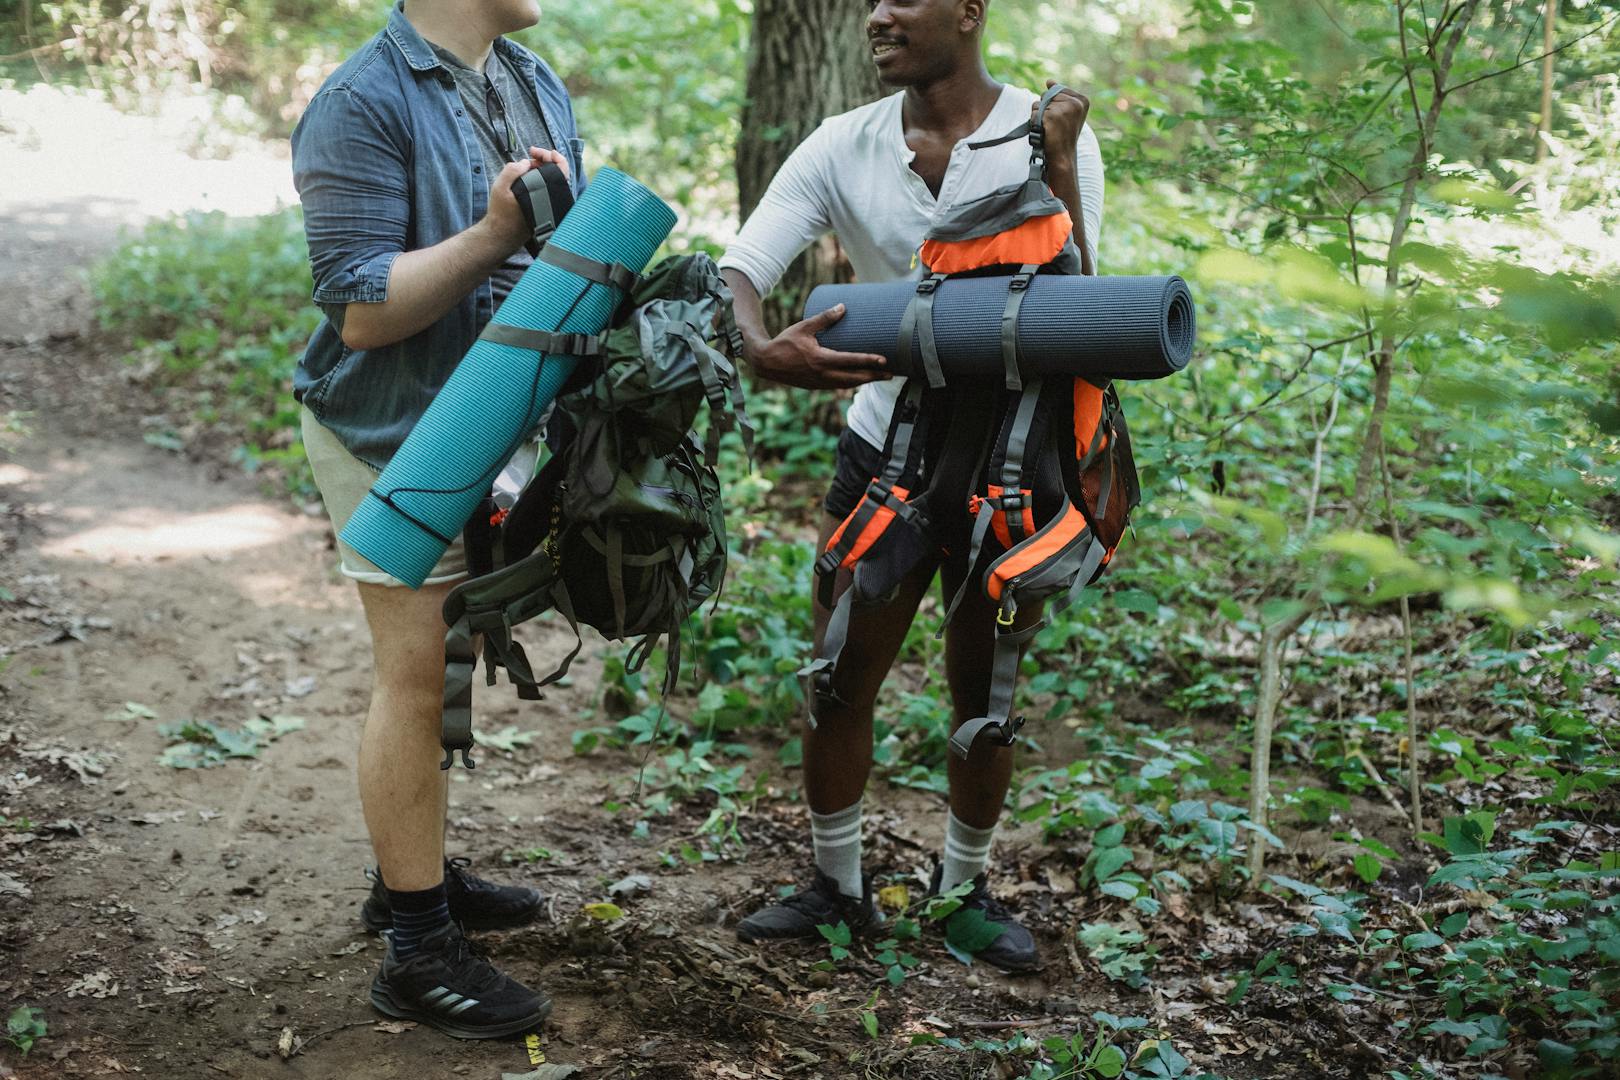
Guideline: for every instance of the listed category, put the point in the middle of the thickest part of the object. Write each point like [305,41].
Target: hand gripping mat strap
[1098,327]
[498,392]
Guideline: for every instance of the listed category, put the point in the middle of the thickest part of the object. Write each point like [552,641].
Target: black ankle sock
[416,915]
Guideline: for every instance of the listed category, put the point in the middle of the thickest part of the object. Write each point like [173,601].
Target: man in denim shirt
[404,162]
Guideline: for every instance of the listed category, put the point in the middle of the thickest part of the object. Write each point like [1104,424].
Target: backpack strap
[864,525]
[1033,129]
[612,274]
[1017,287]
[584,346]
[455,729]
[544,196]
[720,380]
[1017,451]
[919,320]
[1077,561]
[1004,506]
[998,722]
[883,502]
[820,671]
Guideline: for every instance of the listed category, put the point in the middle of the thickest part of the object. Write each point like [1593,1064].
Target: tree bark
[807,60]
[1274,641]
[1549,17]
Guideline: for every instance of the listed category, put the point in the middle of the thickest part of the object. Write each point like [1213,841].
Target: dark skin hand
[1064,119]
[794,357]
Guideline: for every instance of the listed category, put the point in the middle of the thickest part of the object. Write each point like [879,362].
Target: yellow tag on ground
[894,897]
[537,1056]
[605,912]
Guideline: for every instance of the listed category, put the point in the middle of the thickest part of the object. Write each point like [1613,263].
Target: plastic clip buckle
[927,285]
[1020,282]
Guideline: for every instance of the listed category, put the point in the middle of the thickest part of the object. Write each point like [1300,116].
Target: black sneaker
[800,914]
[474,903]
[447,985]
[1014,950]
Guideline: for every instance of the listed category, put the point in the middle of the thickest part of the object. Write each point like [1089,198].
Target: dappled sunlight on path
[148,534]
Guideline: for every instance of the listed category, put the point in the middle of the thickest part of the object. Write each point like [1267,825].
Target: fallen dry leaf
[393,1027]
[894,897]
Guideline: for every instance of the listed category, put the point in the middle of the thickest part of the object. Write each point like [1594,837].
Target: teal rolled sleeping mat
[497,394]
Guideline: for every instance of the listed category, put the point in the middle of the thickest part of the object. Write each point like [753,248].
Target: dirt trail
[196,923]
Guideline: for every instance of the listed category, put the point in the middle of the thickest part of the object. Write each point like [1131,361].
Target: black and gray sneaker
[798,915]
[1013,951]
[447,985]
[475,903]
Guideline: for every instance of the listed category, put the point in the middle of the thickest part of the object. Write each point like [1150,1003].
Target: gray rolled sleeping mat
[1098,327]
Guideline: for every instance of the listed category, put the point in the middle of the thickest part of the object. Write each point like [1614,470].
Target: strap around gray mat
[1017,286]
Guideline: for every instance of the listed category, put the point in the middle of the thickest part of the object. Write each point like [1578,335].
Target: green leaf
[1554,1054]
[1368,867]
[1469,834]
[1110,836]
[1426,940]
[1123,890]
[971,931]
[25,1026]
[838,935]
[869,1021]
[1136,600]
[1188,810]
[1383,850]
[1109,1062]
[1110,861]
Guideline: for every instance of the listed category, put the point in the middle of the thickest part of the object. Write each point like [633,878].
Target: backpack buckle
[927,285]
[1020,282]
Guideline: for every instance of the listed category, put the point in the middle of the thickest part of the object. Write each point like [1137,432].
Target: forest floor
[198,923]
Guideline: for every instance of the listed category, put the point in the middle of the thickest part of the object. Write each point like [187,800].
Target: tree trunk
[808,60]
[1549,16]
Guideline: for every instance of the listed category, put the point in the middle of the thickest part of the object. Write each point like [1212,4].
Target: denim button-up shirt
[384,163]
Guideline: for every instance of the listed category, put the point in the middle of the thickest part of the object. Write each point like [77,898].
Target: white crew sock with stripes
[837,842]
[967,850]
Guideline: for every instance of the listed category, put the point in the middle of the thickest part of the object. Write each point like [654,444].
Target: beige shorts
[344,480]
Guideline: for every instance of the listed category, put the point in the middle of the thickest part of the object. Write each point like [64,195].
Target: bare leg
[402,789]
[838,751]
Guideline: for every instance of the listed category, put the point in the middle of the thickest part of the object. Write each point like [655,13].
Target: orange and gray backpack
[1030,476]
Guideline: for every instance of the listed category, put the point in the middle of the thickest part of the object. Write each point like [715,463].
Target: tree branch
[1534,59]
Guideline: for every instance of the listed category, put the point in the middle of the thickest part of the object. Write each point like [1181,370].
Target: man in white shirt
[879,176]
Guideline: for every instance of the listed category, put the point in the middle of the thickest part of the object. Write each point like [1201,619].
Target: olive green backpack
[622,528]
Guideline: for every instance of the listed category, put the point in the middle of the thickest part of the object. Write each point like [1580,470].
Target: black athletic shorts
[858,462]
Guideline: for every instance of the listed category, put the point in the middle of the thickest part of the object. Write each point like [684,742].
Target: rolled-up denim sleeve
[352,180]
